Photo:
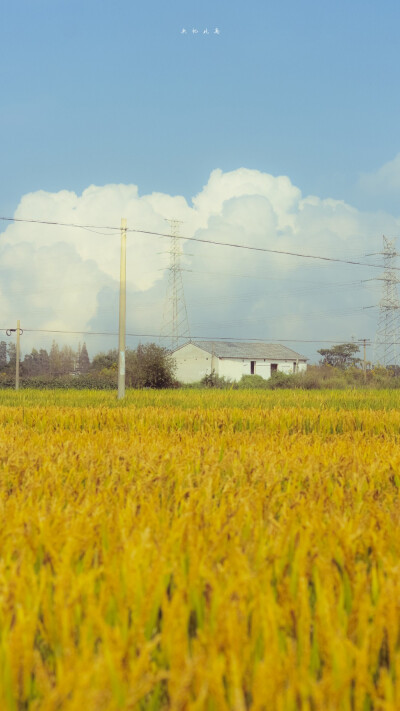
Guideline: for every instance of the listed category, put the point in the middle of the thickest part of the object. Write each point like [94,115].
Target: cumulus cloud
[66,278]
[385,179]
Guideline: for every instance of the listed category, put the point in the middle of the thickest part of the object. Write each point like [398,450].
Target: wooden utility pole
[17,357]
[18,331]
[122,314]
[364,341]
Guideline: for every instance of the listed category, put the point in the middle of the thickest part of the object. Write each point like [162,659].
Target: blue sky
[100,92]
[95,91]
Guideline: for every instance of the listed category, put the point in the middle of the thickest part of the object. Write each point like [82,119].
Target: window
[252,367]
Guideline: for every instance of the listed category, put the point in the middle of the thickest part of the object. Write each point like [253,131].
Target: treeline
[316,377]
[146,366]
[340,368]
[151,366]
[60,361]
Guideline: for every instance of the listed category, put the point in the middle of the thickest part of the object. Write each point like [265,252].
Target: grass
[205,399]
[199,551]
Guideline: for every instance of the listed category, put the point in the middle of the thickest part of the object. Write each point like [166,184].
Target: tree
[44,362]
[105,361]
[68,358]
[341,356]
[3,355]
[149,366]
[36,363]
[83,362]
[55,359]
[29,365]
[61,362]
[12,355]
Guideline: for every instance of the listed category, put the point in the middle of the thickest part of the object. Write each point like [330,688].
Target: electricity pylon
[175,328]
[388,333]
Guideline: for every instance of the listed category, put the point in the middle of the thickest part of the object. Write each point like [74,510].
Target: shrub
[279,380]
[88,381]
[150,366]
[252,382]
[212,380]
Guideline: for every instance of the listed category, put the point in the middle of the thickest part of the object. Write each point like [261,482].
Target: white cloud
[384,181]
[54,277]
[222,187]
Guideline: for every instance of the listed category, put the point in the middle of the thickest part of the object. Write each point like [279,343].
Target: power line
[193,338]
[201,241]
[270,317]
[58,224]
[253,297]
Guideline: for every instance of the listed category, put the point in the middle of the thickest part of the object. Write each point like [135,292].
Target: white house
[232,359]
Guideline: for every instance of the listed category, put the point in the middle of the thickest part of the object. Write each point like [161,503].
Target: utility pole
[17,358]
[18,332]
[364,341]
[122,314]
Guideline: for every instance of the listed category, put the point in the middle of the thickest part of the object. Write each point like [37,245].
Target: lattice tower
[175,329]
[388,332]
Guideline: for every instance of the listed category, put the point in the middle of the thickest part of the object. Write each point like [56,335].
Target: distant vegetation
[151,366]
[340,369]
[316,377]
[147,366]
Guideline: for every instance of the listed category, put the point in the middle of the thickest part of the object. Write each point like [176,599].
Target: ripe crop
[200,551]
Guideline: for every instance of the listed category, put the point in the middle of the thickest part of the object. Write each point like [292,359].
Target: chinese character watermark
[205,31]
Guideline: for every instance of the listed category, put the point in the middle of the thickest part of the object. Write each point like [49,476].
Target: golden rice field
[199,550]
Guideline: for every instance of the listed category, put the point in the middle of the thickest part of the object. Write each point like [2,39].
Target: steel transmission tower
[175,328]
[388,333]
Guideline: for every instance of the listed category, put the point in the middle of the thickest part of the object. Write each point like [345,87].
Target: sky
[272,124]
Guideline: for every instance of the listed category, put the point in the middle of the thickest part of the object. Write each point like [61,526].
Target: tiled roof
[240,349]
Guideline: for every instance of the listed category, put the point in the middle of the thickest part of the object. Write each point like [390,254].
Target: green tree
[35,363]
[3,355]
[68,358]
[30,365]
[149,366]
[55,359]
[341,356]
[12,355]
[105,361]
[83,361]
[44,362]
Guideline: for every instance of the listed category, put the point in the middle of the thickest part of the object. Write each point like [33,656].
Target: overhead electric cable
[201,241]
[193,338]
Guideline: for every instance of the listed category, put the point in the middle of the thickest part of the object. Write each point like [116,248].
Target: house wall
[232,369]
[235,368]
[192,363]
